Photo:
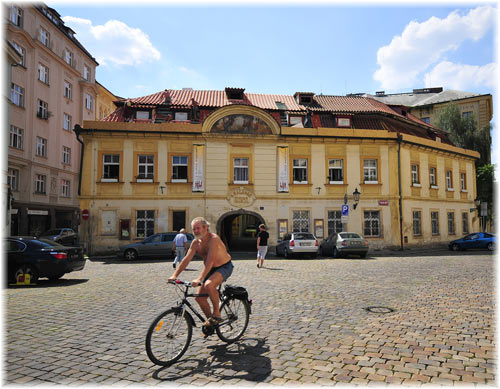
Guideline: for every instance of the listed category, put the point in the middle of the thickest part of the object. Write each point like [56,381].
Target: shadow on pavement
[50,284]
[242,360]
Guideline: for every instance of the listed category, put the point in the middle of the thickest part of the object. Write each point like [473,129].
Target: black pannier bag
[238,292]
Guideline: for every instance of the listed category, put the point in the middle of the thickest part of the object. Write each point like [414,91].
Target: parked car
[40,258]
[477,240]
[157,245]
[344,243]
[64,236]
[297,243]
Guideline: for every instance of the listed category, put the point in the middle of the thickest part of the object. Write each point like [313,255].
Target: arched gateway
[238,229]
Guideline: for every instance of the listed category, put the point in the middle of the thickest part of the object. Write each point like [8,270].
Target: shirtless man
[217,267]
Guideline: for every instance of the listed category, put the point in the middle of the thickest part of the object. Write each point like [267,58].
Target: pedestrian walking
[262,238]
[179,246]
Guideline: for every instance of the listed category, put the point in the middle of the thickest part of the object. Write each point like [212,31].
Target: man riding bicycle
[217,267]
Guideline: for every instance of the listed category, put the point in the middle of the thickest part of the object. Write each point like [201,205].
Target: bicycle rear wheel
[235,314]
[168,337]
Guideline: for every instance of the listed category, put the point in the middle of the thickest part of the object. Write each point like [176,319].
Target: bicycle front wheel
[235,314]
[168,337]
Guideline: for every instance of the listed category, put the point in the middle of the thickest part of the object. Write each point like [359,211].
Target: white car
[298,243]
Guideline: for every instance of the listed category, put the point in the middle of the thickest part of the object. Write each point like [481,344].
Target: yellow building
[104,102]
[291,162]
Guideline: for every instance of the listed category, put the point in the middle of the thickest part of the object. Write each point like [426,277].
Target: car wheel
[27,269]
[335,253]
[130,255]
[55,277]
[491,246]
[286,253]
[455,247]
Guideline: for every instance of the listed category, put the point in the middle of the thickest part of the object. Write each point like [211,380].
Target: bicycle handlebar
[179,282]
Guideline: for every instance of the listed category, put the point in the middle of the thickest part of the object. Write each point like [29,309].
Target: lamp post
[356,195]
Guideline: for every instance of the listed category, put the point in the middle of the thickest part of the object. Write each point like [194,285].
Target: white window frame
[417,223]
[434,222]
[40,184]
[65,188]
[241,170]
[449,181]
[372,217]
[21,52]
[16,16]
[13,178]
[145,168]
[17,95]
[300,165]
[68,90]
[86,73]
[465,223]
[67,122]
[334,221]
[42,111]
[177,163]
[301,221]
[16,137]
[143,218]
[370,171]
[113,160]
[66,155]
[415,176]
[451,223]
[181,116]
[88,102]
[432,177]
[463,182]
[142,115]
[41,146]
[68,57]
[45,37]
[335,165]
[43,73]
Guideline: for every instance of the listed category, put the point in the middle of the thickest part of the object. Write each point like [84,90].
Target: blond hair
[201,219]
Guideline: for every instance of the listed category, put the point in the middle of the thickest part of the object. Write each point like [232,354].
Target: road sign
[345,210]
[344,219]
[85,214]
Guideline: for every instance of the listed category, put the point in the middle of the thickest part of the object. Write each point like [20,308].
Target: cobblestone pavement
[309,325]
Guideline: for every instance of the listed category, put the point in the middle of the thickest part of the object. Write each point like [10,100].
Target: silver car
[344,243]
[297,243]
[157,245]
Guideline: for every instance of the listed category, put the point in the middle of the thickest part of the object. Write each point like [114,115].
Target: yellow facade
[113,203]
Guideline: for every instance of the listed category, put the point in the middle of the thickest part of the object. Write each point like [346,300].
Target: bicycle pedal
[207,330]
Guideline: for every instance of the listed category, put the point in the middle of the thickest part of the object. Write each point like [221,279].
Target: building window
[417,223]
[336,171]
[16,137]
[370,171]
[372,223]
[88,101]
[42,110]
[182,116]
[41,147]
[344,122]
[67,122]
[40,183]
[240,170]
[432,177]
[179,168]
[144,223]
[334,222]
[300,221]
[111,167]
[449,180]
[65,188]
[86,73]
[146,166]
[463,182]
[13,179]
[451,223]
[17,95]
[68,57]
[294,120]
[467,114]
[300,171]
[426,120]
[45,37]
[16,16]
[43,73]
[21,52]
[465,223]
[66,155]
[67,90]
[435,223]
[415,180]
[142,115]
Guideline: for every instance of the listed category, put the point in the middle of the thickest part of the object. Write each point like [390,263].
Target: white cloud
[403,62]
[457,76]
[114,42]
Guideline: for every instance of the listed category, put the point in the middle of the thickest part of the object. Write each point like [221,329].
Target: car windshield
[349,235]
[52,232]
[304,236]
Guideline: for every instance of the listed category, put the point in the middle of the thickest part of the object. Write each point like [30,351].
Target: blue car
[477,240]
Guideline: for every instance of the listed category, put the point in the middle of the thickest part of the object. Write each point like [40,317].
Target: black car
[64,236]
[40,258]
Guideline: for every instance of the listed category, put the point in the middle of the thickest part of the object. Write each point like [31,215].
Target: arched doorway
[238,229]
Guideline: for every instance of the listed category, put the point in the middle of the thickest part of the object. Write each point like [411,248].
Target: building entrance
[238,230]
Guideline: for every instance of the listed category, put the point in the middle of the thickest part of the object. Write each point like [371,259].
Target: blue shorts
[225,270]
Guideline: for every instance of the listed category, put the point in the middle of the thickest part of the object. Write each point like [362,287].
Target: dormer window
[142,115]
[344,121]
[304,98]
[234,93]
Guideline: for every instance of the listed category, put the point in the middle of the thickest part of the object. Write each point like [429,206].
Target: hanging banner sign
[198,158]
[282,169]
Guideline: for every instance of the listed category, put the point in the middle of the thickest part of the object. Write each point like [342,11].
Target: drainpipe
[78,130]
[400,138]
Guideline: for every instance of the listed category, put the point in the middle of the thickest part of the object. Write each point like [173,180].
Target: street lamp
[356,195]
[477,202]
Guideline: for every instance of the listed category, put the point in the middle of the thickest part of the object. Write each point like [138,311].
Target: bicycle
[170,333]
